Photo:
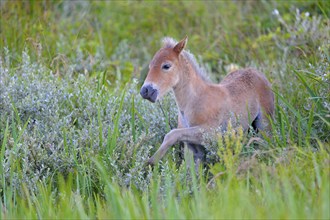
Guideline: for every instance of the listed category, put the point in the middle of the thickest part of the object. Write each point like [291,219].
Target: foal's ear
[180,46]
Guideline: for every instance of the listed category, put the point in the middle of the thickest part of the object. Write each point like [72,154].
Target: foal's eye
[166,66]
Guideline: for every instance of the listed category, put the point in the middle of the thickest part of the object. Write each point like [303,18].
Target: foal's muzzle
[148,92]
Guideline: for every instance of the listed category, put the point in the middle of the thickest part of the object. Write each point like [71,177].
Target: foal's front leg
[192,135]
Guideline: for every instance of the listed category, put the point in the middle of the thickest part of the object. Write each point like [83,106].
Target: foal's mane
[169,42]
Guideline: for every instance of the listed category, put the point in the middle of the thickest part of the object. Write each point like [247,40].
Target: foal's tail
[267,104]
[266,99]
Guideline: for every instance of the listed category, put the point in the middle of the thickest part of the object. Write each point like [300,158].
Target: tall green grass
[295,186]
[75,134]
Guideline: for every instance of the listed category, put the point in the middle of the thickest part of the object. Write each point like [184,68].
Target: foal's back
[249,90]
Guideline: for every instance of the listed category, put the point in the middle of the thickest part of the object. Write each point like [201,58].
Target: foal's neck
[190,86]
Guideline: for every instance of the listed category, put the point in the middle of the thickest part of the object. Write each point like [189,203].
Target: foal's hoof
[151,162]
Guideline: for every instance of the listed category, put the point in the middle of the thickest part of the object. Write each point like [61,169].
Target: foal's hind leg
[262,124]
[257,123]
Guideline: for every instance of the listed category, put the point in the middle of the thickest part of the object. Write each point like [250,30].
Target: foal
[244,97]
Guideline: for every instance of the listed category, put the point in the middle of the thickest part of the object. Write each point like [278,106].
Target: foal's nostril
[144,92]
[148,92]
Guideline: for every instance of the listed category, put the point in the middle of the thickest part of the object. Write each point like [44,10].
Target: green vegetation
[75,134]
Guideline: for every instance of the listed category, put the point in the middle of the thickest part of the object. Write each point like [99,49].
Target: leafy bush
[67,120]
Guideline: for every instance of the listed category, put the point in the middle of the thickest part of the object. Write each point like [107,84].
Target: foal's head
[163,72]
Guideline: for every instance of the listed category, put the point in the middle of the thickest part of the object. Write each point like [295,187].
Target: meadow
[75,133]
